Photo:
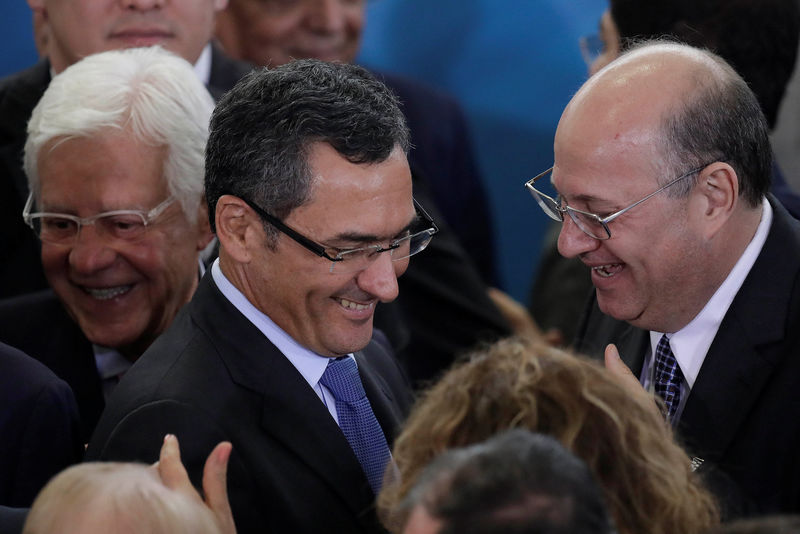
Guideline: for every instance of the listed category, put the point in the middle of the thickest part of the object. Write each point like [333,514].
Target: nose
[380,278]
[326,15]
[572,241]
[91,252]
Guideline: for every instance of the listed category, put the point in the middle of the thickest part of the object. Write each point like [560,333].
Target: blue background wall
[513,65]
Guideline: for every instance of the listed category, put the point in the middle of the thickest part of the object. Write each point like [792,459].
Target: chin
[353,343]
[621,311]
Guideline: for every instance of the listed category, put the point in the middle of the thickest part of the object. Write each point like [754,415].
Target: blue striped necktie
[356,419]
[667,377]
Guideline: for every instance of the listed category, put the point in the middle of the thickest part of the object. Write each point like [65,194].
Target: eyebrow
[356,237]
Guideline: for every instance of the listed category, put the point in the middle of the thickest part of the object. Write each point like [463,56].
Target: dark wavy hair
[262,130]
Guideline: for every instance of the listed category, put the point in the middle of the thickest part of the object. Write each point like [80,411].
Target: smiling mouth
[350,305]
[106,293]
[141,35]
[608,270]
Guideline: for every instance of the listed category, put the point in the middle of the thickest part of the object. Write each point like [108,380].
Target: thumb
[215,486]
[170,468]
[620,371]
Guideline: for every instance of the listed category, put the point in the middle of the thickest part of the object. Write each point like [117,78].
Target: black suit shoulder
[38,324]
[38,425]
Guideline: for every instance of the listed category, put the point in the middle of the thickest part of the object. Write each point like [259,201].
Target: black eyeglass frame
[319,249]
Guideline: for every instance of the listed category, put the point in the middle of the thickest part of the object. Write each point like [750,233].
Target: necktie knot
[667,377]
[341,378]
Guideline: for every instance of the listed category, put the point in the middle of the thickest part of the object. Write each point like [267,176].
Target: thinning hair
[517,481]
[263,129]
[758,38]
[717,119]
[150,93]
[118,498]
[629,448]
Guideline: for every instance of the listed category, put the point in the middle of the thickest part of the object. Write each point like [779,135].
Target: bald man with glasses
[660,182]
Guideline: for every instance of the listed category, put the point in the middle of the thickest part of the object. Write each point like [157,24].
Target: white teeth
[354,305]
[107,293]
[606,270]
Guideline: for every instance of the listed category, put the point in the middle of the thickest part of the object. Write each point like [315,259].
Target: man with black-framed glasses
[660,181]
[310,195]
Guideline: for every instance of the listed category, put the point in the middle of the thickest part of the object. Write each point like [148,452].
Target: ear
[715,197]
[204,233]
[237,227]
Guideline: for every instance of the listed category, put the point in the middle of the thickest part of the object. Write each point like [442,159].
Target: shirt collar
[202,66]
[691,343]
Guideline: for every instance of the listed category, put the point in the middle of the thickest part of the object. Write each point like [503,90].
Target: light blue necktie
[356,419]
[667,377]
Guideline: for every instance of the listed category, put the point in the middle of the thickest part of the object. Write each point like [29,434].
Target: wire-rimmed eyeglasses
[64,229]
[591,224]
[417,237]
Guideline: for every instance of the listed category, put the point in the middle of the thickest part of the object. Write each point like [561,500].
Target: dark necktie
[667,377]
[357,420]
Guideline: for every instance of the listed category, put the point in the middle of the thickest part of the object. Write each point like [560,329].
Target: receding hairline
[694,67]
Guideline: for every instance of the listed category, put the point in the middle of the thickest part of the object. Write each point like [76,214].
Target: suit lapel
[386,410]
[294,415]
[747,347]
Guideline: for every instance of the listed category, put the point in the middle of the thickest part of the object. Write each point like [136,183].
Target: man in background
[76,29]
[114,158]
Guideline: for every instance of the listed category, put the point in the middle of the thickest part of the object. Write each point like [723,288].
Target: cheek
[355,23]
[279,32]
[54,260]
[401,266]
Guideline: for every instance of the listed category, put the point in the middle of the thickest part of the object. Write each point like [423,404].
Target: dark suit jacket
[20,263]
[213,376]
[38,427]
[39,325]
[442,153]
[743,413]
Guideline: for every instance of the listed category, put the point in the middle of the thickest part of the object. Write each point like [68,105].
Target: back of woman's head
[646,477]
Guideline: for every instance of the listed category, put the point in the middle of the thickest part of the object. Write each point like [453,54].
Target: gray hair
[720,119]
[263,129]
[150,92]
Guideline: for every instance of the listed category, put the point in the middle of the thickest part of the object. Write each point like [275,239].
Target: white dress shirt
[690,344]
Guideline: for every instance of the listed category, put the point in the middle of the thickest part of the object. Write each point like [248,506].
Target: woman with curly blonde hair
[648,483]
